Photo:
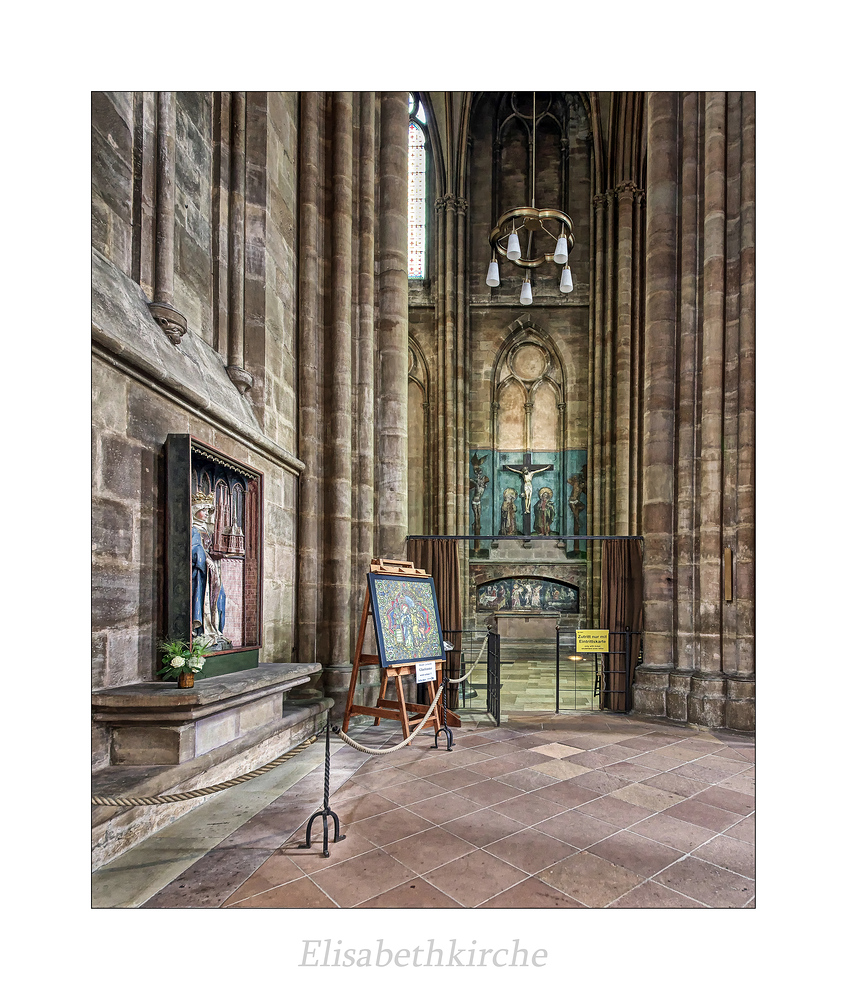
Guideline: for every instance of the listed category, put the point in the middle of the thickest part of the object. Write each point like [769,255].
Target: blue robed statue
[208,597]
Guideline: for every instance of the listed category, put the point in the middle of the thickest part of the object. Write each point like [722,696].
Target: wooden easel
[408,714]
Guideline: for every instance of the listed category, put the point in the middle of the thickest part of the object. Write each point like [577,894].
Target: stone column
[448,334]
[706,701]
[338,494]
[609,374]
[687,412]
[240,377]
[623,358]
[740,707]
[308,347]
[162,308]
[393,333]
[365,394]
[662,193]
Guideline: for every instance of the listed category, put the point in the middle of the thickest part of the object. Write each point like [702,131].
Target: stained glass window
[417,189]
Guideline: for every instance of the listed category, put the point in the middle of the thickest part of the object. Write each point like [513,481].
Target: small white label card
[425,671]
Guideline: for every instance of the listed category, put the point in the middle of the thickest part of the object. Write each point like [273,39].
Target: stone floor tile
[210,880]
[426,766]
[529,809]
[615,811]
[568,793]
[590,880]
[475,877]
[442,808]
[527,779]
[431,849]
[488,792]
[727,852]
[631,770]
[277,870]
[656,760]
[416,894]
[672,782]
[557,750]
[459,777]
[723,764]
[744,783]
[674,832]
[530,894]
[372,781]
[352,810]
[695,769]
[603,757]
[500,733]
[362,877]
[530,741]
[311,859]
[413,791]
[483,827]
[637,854]
[577,829]
[716,887]
[300,895]
[562,769]
[647,796]
[600,782]
[530,850]
[650,895]
[470,740]
[726,798]
[476,755]
[390,826]
[495,767]
[701,814]
[745,830]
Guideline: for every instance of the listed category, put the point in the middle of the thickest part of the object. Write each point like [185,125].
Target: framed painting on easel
[406,619]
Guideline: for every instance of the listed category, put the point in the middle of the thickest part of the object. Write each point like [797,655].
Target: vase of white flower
[183,660]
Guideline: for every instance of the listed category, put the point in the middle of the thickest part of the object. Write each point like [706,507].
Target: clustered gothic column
[353,366]
[393,327]
[162,308]
[235,368]
[698,410]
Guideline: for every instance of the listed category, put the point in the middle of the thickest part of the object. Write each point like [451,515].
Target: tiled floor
[591,810]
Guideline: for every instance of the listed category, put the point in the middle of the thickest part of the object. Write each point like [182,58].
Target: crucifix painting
[526,472]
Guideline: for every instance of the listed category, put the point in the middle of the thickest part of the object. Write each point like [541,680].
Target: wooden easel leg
[382,687]
[401,698]
[354,676]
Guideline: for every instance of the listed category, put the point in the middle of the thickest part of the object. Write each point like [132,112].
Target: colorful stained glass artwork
[417,201]
[406,620]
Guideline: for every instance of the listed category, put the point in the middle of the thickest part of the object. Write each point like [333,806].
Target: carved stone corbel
[241,379]
[172,322]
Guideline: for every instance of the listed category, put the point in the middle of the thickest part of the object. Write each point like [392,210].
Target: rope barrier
[381,753]
[155,800]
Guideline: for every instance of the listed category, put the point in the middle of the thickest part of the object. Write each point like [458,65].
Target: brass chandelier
[549,238]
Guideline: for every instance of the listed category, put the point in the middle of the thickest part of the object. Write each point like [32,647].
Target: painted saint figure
[208,598]
[544,511]
[526,475]
[577,484]
[508,512]
[477,484]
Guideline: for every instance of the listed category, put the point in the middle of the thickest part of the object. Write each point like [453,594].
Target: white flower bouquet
[181,657]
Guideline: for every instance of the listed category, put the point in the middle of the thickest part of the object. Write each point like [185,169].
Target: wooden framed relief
[214,553]
[406,619]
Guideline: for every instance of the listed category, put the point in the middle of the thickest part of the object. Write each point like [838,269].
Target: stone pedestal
[515,625]
[159,723]
[707,700]
[649,691]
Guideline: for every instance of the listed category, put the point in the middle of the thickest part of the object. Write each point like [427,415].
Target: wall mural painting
[224,558]
[406,619]
[531,594]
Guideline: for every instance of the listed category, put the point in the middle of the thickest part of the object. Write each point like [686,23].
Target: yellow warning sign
[592,640]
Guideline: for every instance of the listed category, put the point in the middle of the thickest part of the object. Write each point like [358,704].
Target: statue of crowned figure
[208,597]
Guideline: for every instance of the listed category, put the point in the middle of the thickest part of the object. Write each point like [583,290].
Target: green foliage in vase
[180,657]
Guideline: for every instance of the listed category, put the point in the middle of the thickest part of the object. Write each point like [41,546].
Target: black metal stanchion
[325,812]
[445,728]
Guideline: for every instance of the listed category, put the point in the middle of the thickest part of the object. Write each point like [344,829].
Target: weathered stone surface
[111,528]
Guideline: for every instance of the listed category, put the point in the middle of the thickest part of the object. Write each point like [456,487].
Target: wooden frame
[408,714]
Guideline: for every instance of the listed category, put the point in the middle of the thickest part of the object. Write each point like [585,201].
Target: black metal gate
[492,686]
[610,676]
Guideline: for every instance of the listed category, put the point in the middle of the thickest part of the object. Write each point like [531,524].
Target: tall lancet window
[417,188]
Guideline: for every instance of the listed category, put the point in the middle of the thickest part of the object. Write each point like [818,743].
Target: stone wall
[144,387]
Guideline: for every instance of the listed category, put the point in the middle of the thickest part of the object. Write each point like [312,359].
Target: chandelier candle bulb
[513,250]
[566,284]
[493,278]
[561,254]
[526,293]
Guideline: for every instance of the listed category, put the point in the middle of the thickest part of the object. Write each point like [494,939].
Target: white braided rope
[459,680]
[381,753]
